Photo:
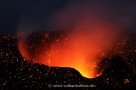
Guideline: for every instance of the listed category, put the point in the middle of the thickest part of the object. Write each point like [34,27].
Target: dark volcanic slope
[17,73]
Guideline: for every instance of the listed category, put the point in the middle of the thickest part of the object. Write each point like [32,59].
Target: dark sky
[36,12]
[12,11]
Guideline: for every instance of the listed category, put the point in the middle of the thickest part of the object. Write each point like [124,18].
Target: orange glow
[81,50]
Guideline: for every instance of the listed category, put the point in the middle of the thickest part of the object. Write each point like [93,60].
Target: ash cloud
[117,12]
[114,12]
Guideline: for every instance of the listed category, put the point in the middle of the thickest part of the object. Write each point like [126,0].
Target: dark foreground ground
[16,73]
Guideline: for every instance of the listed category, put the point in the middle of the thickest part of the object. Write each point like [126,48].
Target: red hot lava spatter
[78,49]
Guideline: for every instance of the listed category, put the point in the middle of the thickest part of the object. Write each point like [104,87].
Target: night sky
[37,14]
[12,11]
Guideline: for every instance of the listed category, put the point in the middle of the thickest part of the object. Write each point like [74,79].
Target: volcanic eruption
[86,40]
[78,49]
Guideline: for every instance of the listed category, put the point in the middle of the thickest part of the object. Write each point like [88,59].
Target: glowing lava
[91,33]
[77,49]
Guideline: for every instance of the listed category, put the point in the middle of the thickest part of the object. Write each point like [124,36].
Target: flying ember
[78,49]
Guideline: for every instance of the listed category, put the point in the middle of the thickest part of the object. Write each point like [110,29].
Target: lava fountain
[88,38]
[78,49]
